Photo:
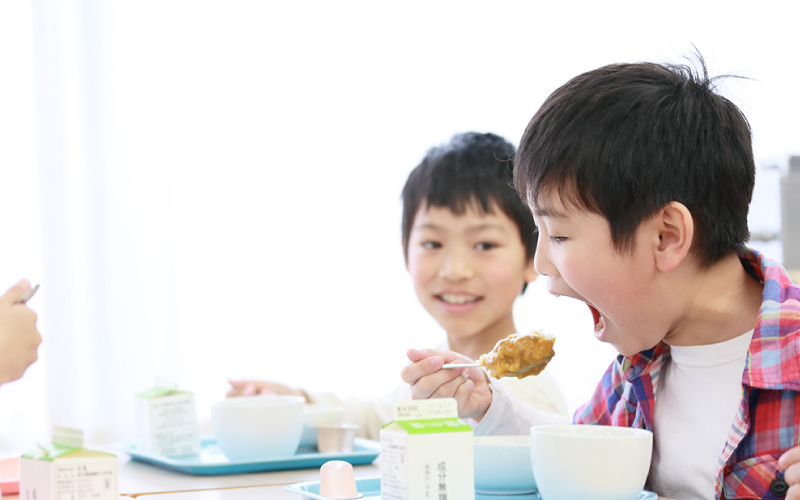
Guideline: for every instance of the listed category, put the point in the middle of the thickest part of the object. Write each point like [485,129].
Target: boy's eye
[485,245]
[430,245]
[558,239]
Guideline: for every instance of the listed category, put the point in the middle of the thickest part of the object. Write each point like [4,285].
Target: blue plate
[371,488]
[211,461]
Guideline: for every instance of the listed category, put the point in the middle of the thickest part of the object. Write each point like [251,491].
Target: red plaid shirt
[768,420]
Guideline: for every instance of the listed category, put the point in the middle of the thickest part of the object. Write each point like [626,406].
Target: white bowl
[317,415]
[503,465]
[258,427]
[590,462]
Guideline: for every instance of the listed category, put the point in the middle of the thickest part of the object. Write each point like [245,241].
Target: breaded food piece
[519,355]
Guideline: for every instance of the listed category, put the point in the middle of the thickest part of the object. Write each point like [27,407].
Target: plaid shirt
[768,420]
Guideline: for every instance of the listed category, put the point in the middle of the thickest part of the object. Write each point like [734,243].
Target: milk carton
[427,453]
[166,422]
[65,470]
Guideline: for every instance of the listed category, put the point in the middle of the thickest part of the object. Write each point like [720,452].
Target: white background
[210,189]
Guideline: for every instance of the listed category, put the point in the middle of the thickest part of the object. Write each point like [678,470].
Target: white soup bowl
[590,462]
[258,427]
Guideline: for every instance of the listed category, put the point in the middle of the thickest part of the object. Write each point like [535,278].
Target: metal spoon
[526,369]
[461,365]
[28,295]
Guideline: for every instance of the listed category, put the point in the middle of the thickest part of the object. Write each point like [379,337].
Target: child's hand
[790,463]
[469,386]
[261,388]
[19,338]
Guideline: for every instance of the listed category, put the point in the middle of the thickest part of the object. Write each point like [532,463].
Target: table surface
[142,479]
[139,478]
[276,492]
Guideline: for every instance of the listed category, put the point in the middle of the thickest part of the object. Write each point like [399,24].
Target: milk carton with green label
[65,470]
[427,453]
[166,421]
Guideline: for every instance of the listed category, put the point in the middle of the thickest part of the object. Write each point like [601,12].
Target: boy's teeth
[598,327]
[457,299]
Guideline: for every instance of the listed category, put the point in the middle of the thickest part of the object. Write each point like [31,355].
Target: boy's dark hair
[625,140]
[471,168]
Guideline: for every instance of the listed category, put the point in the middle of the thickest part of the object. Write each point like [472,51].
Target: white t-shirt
[697,398]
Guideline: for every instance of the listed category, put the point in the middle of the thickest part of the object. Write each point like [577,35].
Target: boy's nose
[541,260]
[456,267]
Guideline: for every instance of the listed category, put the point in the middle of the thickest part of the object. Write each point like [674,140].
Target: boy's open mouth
[598,320]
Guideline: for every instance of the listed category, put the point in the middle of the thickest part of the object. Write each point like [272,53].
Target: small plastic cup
[316,414]
[336,480]
[336,438]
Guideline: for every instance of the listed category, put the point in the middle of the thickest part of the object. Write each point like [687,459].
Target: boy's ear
[675,231]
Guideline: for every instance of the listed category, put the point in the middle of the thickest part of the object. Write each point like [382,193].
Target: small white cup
[258,427]
[316,415]
[590,462]
[336,438]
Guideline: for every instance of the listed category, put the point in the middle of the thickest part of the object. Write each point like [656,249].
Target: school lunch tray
[371,488]
[210,461]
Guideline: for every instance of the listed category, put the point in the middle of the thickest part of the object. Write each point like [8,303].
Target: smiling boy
[468,242]
[639,177]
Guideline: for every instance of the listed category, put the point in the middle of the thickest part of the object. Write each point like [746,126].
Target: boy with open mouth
[640,177]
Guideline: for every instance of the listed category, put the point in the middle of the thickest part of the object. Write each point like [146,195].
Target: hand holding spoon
[27,296]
